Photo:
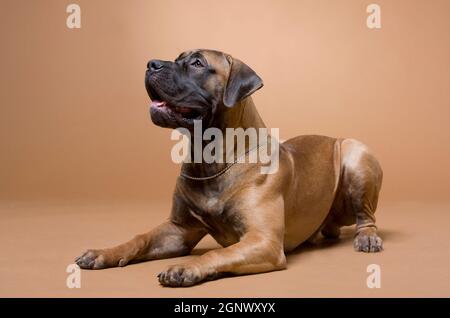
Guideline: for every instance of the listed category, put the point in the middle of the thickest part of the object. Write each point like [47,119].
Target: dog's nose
[155,65]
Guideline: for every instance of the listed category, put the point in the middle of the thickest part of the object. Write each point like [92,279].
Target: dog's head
[196,86]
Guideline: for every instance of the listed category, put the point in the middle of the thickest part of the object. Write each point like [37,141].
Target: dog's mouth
[185,112]
[163,105]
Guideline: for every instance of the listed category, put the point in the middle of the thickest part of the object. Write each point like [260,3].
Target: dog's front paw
[99,259]
[368,241]
[181,276]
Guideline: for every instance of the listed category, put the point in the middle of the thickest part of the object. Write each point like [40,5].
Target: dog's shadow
[345,239]
[321,243]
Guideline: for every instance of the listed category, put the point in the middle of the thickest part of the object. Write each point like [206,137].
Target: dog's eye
[197,63]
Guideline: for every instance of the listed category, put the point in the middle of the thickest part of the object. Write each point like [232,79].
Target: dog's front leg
[255,253]
[167,240]
[259,250]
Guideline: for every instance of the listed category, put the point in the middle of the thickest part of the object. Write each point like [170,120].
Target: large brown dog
[322,183]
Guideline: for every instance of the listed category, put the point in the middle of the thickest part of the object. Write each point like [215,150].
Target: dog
[322,183]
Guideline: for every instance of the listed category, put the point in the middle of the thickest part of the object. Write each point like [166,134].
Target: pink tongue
[158,103]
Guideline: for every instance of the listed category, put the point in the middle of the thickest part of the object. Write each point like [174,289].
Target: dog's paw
[181,276]
[98,259]
[368,242]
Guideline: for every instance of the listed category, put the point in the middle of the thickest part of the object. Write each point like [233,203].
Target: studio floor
[39,240]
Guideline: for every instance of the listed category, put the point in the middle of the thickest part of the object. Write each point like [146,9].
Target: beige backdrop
[74,120]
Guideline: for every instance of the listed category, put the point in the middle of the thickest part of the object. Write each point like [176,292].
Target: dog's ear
[242,82]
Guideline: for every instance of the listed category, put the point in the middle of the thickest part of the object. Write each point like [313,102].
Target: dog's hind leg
[361,183]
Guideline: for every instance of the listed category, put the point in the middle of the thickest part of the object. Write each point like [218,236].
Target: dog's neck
[242,115]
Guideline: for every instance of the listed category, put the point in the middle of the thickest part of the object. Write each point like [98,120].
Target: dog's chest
[218,216]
